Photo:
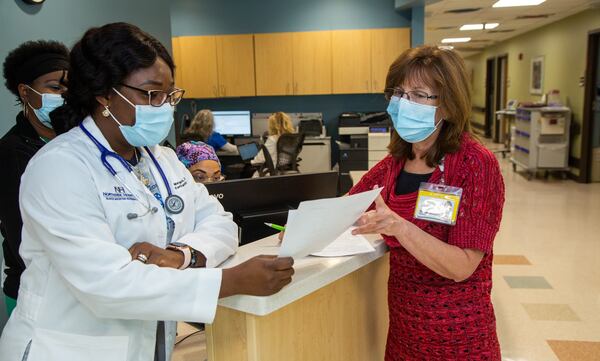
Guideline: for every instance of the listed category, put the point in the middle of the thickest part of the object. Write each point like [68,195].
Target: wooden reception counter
[334,309]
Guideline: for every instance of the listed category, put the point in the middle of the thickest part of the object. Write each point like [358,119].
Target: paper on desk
[346,245]
[315,224]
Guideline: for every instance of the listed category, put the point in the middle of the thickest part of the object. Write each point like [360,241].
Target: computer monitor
[233,122]
[268,199]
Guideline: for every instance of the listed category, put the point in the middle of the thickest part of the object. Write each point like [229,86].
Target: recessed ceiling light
[455,40]
[446,47]
[471,27]
[510,3]
[489,26]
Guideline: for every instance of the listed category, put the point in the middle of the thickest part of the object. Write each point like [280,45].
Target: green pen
[275,226]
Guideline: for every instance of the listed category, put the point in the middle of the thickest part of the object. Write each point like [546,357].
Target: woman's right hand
[258,276]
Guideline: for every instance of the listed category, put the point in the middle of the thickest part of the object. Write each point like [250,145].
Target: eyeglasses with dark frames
[157,98]
[416,96]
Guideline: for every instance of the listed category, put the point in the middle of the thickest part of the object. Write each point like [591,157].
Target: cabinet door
[197,66]
[273,56]
[312,62]
[178,65]
[386,46]
[351,61]
[235,62]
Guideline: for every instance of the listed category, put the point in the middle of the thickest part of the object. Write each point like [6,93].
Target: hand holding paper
[315,224]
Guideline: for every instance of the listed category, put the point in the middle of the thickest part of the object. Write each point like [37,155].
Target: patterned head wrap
[190,153]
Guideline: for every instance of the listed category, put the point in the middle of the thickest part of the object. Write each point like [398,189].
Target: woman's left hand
[156,255]
[381,220]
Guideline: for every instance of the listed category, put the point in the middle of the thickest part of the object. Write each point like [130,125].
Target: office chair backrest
[289,147]
[268,167]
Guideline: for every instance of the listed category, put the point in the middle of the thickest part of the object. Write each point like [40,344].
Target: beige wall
[564,47]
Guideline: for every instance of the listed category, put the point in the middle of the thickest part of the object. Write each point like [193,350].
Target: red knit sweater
[432,317]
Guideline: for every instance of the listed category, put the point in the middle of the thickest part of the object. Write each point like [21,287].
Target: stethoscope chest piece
[174,204]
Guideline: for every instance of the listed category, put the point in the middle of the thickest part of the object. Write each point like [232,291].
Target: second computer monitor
[233,122]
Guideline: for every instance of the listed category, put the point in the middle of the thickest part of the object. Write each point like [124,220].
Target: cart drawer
[553,124]
[552,155]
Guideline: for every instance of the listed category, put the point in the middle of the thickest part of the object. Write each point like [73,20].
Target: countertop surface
[312,274]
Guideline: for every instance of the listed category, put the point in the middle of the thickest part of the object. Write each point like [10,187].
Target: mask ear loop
[28,103]
[107,113]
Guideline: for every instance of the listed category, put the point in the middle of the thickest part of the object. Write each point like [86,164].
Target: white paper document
[315,224]
[346,245]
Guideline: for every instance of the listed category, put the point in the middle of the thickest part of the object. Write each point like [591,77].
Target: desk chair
[268,167]
[289,147]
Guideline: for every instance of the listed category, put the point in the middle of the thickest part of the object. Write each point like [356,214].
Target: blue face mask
[152,124]
[414,122]
[49,103]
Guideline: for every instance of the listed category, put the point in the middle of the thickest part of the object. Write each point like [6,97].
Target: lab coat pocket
[50,345]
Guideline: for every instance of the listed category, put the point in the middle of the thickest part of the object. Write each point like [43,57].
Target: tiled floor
[546,289]
[554,226]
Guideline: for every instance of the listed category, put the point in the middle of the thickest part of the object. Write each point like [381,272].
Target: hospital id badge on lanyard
[438,202]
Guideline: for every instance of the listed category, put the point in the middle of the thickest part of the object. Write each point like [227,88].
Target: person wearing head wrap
[35,73]
[201,160]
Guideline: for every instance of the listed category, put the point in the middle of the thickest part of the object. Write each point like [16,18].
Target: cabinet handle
[287,88]
[215,92]
[375,87]
[367,85]
[295,88]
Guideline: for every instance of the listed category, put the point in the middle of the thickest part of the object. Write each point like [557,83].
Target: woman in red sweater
[440,274]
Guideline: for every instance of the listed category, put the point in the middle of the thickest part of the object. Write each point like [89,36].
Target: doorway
[495,94]
[490,98]
[590,157]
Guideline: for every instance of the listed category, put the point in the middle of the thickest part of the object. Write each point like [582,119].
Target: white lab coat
[81,296]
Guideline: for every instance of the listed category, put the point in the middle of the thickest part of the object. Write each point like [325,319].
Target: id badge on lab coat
[438,203]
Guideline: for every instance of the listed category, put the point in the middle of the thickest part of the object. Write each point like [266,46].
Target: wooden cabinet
[351,61]
[196,66]
[386,46]
[235,64]
[274,64]
[177,60]
[312,62]
[303,63]
[293,63]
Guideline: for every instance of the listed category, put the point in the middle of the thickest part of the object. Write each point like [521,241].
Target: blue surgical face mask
[49,103]
[152,124]
[414,122]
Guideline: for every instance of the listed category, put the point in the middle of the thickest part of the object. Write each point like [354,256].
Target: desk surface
[312,273]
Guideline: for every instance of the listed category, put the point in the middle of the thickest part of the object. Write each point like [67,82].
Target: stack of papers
[346,245]
[316,224]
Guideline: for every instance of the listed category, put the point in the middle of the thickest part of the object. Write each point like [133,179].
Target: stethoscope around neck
[173,204]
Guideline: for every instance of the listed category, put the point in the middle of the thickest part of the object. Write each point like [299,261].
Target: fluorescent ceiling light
[455,40]
[489,26]
[471,27]
[446,47]
[510,3]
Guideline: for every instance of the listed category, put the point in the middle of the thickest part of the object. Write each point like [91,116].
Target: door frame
[593,44]
[500,97]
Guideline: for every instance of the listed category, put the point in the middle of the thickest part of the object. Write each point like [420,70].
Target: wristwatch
[185,249]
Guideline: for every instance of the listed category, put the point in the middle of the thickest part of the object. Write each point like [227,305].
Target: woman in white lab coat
[116,233]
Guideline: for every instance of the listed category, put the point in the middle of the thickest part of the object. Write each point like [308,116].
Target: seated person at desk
[203,126]
[201,160]
[279,123]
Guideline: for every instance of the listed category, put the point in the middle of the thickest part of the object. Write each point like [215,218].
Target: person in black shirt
[35,73]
